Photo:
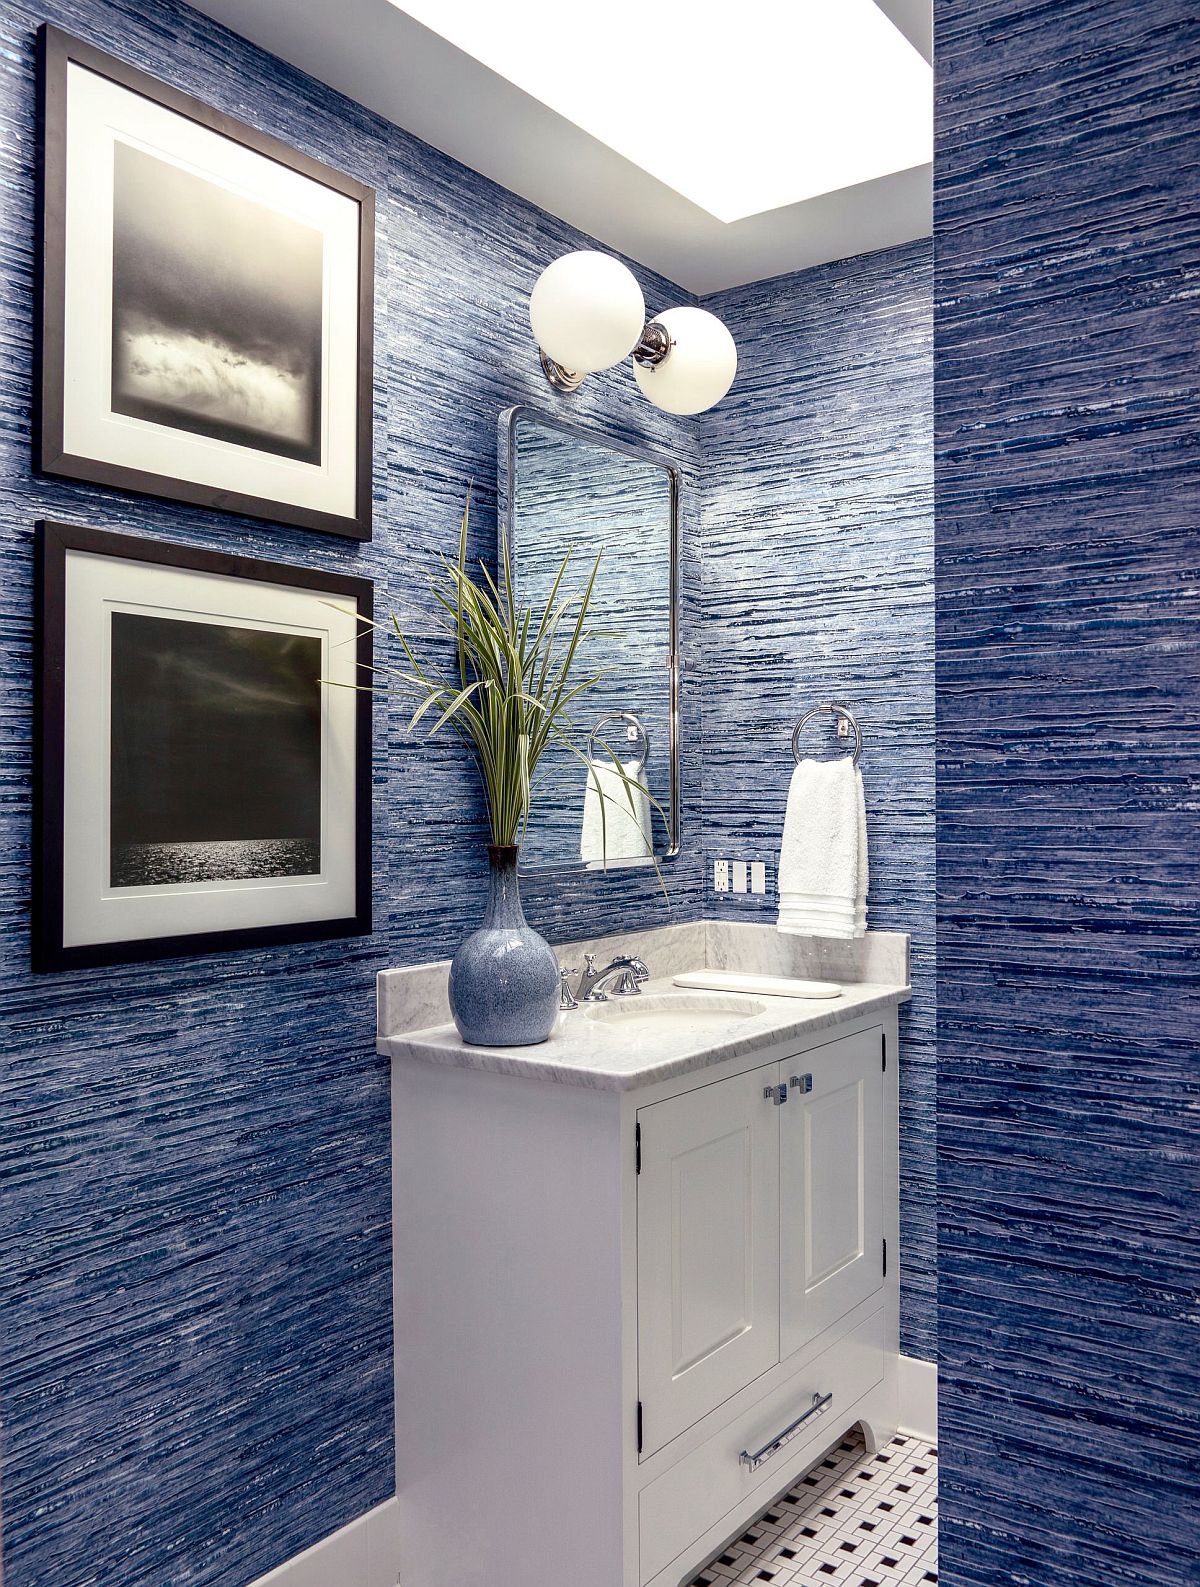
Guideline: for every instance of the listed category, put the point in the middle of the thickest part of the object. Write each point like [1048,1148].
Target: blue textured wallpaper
[1068,551]
[818,584]
[195,1357]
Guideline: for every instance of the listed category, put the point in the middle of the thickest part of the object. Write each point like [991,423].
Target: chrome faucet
[566,998]
[627,972]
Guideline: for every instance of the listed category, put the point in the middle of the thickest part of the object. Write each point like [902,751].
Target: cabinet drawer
[690,1498]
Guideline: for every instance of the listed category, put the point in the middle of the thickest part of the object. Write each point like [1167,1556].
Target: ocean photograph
[215,770]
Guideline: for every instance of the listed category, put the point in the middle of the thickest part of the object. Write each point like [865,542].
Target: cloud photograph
[217,310]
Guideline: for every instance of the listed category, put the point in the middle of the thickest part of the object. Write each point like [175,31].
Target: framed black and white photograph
[203,751]
[206,303]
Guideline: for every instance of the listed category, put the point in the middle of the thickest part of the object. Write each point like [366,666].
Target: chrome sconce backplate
[561,379]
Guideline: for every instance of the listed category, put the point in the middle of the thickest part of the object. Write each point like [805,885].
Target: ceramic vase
[504,979]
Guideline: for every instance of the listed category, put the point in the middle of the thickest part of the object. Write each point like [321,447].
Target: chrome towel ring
[631,719]
[845,724]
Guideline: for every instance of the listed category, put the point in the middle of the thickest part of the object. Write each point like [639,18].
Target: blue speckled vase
[504,979]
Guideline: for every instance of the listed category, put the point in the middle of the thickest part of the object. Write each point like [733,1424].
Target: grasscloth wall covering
[195,1360]
[195,1273]
[1068,499]
[818,585]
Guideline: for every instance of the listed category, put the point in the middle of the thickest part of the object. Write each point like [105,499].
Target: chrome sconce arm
[654,346]
[650,351]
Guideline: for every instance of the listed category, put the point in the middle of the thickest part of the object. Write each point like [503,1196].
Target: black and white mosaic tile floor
[856,1520]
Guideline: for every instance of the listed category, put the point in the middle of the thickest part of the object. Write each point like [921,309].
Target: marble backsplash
[414,998]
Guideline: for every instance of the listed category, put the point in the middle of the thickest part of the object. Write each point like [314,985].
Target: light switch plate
[758,877]
[739,876]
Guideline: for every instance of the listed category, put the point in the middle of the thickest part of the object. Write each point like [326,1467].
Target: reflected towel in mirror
[625,833]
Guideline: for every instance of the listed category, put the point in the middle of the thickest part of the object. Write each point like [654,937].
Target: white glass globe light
[698,370]
[587,311]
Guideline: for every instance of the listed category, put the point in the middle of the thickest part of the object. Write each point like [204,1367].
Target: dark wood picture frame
[56,51]
[54,540]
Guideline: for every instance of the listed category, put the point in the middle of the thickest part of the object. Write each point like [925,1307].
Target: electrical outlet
[720,876]
[739,876]
[758,877]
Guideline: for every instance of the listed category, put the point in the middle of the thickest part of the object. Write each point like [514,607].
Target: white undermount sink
[673,1011]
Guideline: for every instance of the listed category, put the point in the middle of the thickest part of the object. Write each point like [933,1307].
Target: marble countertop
[597,1054]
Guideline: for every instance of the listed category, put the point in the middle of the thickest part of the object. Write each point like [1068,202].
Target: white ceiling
[792,102]
[377,54]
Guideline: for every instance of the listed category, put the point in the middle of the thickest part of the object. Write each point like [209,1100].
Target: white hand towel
[624,836]
[823,869]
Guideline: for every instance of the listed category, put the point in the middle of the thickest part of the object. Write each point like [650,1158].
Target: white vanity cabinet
[629,1315]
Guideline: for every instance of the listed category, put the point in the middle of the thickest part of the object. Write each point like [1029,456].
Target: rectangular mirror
[564,489]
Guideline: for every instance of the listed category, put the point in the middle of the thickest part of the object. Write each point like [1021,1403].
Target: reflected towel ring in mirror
[632,720]
[845,721]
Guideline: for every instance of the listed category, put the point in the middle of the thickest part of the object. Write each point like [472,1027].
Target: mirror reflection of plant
[513,685]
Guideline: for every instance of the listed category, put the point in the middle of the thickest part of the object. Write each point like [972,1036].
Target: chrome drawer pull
[820,1404]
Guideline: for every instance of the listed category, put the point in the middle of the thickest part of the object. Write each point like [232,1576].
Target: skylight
[741,107]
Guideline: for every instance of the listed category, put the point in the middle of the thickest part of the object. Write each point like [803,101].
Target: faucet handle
[566,998]
[639,968]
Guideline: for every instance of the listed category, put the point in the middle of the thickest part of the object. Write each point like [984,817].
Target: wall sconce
[588,313]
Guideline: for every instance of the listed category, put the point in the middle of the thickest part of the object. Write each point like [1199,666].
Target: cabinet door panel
[831,1186]
[708,1232]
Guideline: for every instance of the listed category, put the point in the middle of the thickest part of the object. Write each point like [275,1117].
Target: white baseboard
[364,1554]
[918,1385]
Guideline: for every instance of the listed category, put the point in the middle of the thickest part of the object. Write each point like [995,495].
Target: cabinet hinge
[639,1427]
[883,1049]
[885,1259]
[637,1148]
